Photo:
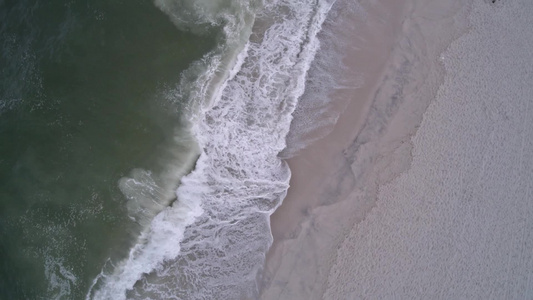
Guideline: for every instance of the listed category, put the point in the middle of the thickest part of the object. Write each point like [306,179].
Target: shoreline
[334,180]
[457,223]
[312,162]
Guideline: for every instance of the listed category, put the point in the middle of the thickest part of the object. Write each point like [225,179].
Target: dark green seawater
[82,87]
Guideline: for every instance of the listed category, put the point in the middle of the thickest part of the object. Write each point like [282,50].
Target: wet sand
[458,223]
[404,201]
[321,174]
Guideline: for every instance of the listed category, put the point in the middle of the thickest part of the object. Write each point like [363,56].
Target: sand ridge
[458,224]
[335,181]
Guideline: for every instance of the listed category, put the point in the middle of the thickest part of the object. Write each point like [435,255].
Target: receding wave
[208,238]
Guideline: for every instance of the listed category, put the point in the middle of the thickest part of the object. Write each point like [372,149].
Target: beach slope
[422,190]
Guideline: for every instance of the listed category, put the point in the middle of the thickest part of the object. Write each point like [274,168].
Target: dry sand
[390,206]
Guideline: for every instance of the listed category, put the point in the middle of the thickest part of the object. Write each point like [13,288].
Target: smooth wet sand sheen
[318,169]
[403,203]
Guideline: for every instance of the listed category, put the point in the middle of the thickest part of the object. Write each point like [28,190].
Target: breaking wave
[208,237]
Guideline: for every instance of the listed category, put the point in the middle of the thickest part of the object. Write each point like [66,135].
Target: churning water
[139,143]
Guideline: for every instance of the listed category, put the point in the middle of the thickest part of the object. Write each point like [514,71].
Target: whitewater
[207,238]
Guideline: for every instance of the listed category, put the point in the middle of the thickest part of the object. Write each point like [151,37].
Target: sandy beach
[274,150]
[422,188]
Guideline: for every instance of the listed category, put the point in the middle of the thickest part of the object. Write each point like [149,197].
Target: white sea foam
[330,82]
[148,192]
[60,280]
[210,244]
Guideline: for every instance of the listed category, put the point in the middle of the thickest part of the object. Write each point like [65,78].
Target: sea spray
[211,243]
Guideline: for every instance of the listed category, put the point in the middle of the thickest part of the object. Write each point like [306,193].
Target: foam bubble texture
[330,82]
[150,193]
[210,244]
[239,179]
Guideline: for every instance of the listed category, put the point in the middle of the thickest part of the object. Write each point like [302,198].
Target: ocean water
[139,143]
[81,106]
